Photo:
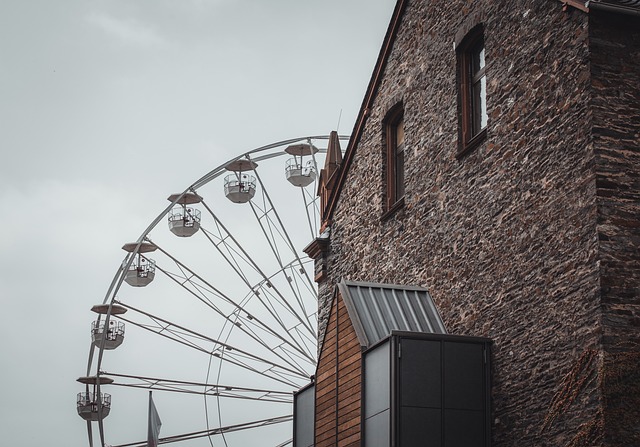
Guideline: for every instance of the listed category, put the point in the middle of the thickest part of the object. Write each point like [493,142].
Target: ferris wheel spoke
[90,433]
[295,269]
[262,215]
[231,256]
[276,224]
[186,387]
[312,210]
[223,350]
[310,219]
[219,294]
[310,202]
[302,312]
[100,420]
[284,348]
[295,359]
[241,317]
[215,431]
[268,227]
[303,334]
[224,235]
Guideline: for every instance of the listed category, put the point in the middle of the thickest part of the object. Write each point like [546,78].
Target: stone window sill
[393,210]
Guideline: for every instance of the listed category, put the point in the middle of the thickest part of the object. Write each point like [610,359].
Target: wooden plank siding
[338,382]
[326,387]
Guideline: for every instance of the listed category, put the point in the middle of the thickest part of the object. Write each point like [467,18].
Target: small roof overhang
[376,310]
[631,7]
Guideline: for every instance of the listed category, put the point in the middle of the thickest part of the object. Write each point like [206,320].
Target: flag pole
[154,424]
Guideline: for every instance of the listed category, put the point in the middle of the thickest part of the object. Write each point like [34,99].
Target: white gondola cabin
[142,269]
[184,221]
[114,334]
[298,171]
[91,404]
[240,187]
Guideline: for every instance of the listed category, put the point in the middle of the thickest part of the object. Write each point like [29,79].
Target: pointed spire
[334,156]
[329,174]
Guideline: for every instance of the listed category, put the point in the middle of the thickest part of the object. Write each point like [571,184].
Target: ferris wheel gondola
[240,302]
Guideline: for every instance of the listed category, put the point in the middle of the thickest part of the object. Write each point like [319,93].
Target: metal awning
[620,6]
[377,309]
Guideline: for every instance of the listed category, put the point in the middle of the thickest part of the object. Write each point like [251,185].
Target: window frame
[470,132]
[395,159]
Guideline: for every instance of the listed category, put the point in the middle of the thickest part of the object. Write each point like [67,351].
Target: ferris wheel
[220,309]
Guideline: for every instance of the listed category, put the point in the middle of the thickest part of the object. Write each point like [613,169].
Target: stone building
[495,163]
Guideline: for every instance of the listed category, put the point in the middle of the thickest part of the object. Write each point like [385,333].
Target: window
[472,91]
[395,150]
[376,412]
[304,402]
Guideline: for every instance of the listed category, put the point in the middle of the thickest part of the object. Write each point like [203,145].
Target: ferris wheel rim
[135,248]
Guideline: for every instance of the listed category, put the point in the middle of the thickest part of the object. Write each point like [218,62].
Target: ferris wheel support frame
[122,270]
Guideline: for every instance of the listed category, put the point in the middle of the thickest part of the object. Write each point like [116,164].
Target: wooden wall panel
[338,382]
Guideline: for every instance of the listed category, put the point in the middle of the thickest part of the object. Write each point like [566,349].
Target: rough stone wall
[504,238]
[615,68]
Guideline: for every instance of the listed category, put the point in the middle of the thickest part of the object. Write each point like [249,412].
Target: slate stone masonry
[531,239]
[615,70]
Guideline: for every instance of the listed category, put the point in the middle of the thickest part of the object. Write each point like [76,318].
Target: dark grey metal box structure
[304,412]
[427,390]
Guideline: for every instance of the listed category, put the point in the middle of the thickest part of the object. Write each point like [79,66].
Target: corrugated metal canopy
[377,309]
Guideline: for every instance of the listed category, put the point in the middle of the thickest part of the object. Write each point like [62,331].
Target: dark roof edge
[364,108]
[311,384]
[382,286]
[445,337]
[334,297]
[610,7]
[357,325]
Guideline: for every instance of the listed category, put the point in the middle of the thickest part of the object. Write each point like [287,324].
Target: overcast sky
[109,106]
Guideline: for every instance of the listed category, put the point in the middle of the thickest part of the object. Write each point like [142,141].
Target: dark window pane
[394,169]
[420,427]
[400,133]
[420,373]
[304,417]
[464,428]
[473,89]
[479,90]
[483,102]
[464,380]
[399,172]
